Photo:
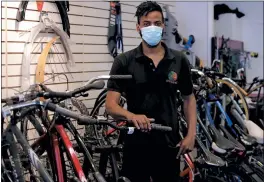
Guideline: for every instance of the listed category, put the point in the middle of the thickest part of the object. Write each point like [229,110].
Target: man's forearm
[189,108]
[116,111]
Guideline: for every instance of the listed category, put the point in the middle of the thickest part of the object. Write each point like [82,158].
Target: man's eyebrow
[158,21]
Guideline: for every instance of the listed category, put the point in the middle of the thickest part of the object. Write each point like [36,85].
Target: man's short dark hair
[146,7]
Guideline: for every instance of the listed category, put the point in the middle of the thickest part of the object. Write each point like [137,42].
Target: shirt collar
[168,52]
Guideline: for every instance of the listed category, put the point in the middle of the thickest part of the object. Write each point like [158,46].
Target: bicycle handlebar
[47,94]
[52,94]
[88,120]
[106,77]
[81,119]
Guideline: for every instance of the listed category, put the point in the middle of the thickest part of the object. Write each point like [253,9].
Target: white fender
[217,149]
[255,131]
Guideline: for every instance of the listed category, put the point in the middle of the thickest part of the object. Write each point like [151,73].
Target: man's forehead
[151,18]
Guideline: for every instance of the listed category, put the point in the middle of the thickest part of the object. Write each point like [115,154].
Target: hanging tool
[63,7]
[115,35]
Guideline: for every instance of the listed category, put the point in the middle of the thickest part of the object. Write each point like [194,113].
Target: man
[158,72]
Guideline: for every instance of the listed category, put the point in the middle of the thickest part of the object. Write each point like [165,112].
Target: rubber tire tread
[37,126]
[83,110]
[15,155]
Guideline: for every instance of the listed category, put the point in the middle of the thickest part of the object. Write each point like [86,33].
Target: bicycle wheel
[104,139]
[240,96]
[33,126]
[28,157]
[12,169]
[99,110]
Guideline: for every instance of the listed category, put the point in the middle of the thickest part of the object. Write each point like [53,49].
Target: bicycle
[245,164]
[82,119]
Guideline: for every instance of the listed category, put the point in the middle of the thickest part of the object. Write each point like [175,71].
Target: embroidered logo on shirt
[172,77]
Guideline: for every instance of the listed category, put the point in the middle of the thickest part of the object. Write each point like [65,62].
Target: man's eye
[158,24]
[146,24]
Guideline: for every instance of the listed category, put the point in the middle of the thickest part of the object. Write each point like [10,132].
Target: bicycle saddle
[208,157]
[255,131]
[244,137]
[220,140]
[212,159]
[238,145]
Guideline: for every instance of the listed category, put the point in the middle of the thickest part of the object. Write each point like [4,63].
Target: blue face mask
[152,35]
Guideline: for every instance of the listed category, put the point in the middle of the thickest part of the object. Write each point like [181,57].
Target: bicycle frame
[26,147]
[189,170]
[70,151]
[59,132]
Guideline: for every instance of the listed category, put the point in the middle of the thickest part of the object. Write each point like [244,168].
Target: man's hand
[140,121]
[186,145]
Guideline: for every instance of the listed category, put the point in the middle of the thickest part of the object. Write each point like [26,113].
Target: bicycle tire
[13,163]
[27,151]
[100,103]
[83,110]
[241,96]
[67,169]
[79,105]
[106,140]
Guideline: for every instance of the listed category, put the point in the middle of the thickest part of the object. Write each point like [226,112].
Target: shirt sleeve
[117,85]
[185,79]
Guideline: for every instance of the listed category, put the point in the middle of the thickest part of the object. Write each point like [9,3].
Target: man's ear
[138,28]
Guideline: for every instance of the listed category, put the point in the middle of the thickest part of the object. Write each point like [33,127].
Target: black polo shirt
[153,90]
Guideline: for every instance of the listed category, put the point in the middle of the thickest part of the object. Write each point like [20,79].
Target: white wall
[248,29]
[89,26]
[196,18]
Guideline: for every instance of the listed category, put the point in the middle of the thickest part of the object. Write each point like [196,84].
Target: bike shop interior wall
[89,26]
[196,18]
[248,29]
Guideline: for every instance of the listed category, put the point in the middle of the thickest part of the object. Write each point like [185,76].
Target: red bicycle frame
[190,168]
[57,153]
[71,153]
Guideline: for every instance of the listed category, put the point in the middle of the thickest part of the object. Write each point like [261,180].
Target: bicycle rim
[239,94]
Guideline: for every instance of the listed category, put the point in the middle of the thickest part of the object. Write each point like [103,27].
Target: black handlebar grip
[96,85]
[52,94]
[120,77]
[86,120]
[160,127]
